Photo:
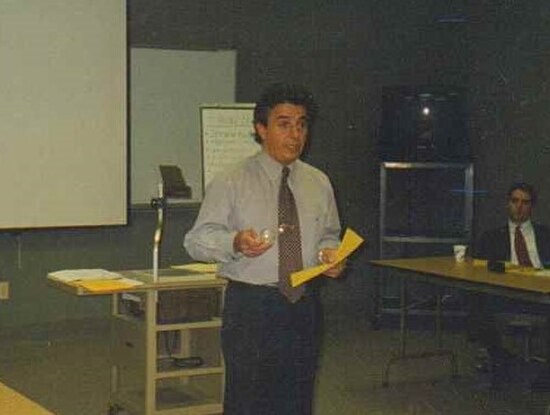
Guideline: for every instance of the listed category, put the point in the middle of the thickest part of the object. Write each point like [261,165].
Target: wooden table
[139,369]
[471,275]
[169,279]
[13,403]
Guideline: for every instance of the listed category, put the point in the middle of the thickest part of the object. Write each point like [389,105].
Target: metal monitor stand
[171,188]
[158,203]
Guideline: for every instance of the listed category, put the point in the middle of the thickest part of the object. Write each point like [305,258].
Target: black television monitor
[424,124]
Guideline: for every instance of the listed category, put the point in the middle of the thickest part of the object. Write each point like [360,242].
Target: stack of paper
[95,280]
[349,244]
[198,267]
[71,275]
[109,285]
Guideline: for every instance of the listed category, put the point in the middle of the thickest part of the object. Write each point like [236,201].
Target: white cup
[460,252]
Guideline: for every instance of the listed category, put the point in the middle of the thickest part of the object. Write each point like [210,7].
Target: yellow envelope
[349,244]
[108,285]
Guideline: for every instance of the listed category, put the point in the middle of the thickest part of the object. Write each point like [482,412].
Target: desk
[143,380]
[13,403]
[446,271]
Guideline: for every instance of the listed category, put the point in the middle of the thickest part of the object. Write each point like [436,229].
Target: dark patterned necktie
[521,249]
[290,244]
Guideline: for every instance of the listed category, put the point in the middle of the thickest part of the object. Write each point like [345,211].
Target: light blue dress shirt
[247,198]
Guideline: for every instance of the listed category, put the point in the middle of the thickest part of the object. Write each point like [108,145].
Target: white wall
[167,90]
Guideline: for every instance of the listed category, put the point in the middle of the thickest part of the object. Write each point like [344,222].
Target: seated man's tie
[521,248]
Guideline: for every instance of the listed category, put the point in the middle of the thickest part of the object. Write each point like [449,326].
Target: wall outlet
[4,290]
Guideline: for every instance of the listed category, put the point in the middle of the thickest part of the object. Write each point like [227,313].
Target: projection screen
[63,122]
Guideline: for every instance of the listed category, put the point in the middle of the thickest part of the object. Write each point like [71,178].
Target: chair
[525,327]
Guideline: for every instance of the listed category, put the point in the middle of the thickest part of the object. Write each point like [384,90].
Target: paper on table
[350,243]
[71,275]
[108,285]
[198,267]
[531,271]
[511,268]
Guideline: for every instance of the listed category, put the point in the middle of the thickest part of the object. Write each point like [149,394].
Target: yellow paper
[108,285]
[349,244]
[522,270]
[479,262]
[198,267]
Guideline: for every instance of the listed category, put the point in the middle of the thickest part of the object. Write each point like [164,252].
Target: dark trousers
[483,316]
[270,349]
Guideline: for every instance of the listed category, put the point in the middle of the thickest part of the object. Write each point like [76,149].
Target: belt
[269,291]
[265,288]
[246,285]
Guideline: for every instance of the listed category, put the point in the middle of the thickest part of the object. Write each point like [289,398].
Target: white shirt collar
[527,225]
[272,167]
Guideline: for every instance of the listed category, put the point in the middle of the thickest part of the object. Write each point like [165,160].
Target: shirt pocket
[312,226]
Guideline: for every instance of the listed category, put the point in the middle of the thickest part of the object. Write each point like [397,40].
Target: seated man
[520,242]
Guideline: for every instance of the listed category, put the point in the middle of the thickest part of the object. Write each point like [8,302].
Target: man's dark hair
[283,94]
[525,187]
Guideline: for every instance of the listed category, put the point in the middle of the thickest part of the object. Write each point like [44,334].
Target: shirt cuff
[228,247]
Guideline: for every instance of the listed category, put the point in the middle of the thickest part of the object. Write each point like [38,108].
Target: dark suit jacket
[494,245]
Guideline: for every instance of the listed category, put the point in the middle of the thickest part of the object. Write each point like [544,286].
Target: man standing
[522,243]
[271,215]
